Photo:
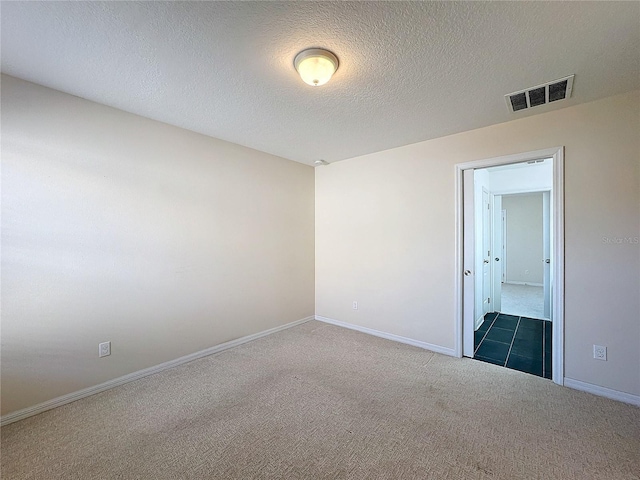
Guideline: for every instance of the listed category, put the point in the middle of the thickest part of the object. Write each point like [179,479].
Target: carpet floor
[322,402]
[522,300]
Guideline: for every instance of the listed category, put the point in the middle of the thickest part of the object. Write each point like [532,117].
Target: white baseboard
[389,336]
[602,391]
[531,284]
[478,322]
[86,392]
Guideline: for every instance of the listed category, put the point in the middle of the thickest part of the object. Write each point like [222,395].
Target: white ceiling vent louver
[540,94]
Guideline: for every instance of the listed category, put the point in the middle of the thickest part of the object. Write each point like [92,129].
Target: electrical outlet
[355,305]
[600,352]
[104,349]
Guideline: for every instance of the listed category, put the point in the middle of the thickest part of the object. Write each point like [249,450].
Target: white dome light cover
[316,66]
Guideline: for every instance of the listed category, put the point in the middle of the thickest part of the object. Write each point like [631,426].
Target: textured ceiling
[409,71]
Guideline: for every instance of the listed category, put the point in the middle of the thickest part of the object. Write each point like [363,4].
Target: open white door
[486,252]
[468,283]
[496,249]
[546,247]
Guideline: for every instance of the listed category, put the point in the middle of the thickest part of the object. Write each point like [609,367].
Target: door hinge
[489,300]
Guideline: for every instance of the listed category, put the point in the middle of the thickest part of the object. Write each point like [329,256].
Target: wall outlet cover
[600,352]
[104,349]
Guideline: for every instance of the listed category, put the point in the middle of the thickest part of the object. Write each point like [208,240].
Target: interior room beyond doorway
[522,263]
[513,231]
[523,300]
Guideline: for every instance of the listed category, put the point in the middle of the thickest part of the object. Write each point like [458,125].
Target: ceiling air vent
[540,94]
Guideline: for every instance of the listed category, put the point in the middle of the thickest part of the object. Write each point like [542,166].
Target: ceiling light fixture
[316,66]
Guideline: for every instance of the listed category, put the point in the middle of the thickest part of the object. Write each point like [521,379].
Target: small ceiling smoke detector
[319,163]
[316,66]
[540,95]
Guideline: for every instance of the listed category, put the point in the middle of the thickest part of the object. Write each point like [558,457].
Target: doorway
[524,241]
[488,190]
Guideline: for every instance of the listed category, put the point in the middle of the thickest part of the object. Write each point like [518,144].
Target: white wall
[120,228]
[385,233]
[521,177]
[524,238]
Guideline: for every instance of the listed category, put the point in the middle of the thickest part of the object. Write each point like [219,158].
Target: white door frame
[557,153]
[547,253]
[496,252]
[503,251]
[486,280]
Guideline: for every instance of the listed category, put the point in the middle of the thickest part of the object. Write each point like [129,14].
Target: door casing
[497,252]
[557,293]
[486,253]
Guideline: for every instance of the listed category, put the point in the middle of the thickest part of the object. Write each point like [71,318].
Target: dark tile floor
[519,343]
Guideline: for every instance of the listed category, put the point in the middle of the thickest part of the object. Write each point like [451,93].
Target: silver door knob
[467,273]
[547,261]
[486,261]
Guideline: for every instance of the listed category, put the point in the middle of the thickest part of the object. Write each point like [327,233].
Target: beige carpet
[321,402]
[522,300]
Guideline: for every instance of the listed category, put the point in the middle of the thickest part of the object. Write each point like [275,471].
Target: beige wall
[524,238]
[385,233]
[120,228]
